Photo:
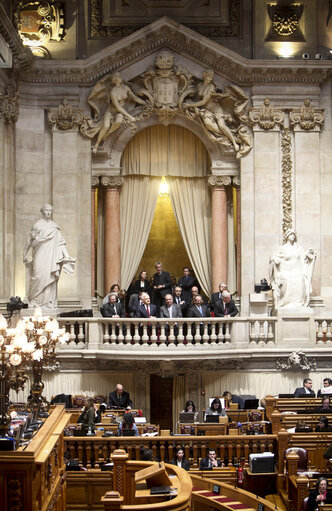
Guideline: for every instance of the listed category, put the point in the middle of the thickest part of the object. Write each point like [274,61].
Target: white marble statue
[290,272]
[49,257]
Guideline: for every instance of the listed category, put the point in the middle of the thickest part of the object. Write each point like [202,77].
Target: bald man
[119,398]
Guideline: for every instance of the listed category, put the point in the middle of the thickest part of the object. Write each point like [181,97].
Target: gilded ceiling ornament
[307,117]
[287,180]
[9,105]
[65,116]
[285,18]
[266,117]
[38,22]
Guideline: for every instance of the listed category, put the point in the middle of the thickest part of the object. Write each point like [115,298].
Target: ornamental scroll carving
[219,181]
[38,22]
[65,116]
[9,105]
[286,180]
[266,117]
[168,90]
[112,181]
[307,117]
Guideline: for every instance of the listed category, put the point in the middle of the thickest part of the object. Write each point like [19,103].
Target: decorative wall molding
[266,117]
[9,105]
[297,361]
[286,179]
[307,117]
[65,116]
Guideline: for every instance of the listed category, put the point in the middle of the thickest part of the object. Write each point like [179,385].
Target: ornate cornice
[166,34]
[112,181]
[219,181]
[22,57]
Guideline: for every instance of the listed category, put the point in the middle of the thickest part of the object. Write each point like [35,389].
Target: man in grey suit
[170,310]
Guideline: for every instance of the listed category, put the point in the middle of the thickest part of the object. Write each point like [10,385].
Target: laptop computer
[287,396]
[128,432]
[186,417]
[160,489]
[212,418]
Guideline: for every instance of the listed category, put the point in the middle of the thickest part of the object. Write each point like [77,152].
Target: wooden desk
[260,483]
[210,428]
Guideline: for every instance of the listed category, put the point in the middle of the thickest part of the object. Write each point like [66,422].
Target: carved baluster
[197,334]
[227,333]
[72,334]
[136,337]
[121,336]
[320,335]
[270,334]
[189,333]
[328,331]
[81,336]
[213,336]
[162,450]
[80,453]
[106,336]
[128,337]
[154,337]
[88,452]
[162,336]
[180,334]
[171,337]
[145,336]
[205,336]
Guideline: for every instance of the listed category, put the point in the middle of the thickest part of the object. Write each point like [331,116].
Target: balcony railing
[168,334]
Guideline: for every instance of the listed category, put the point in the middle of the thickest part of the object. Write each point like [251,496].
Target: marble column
[236,184]
[94,187]
[112,233]
[219,240]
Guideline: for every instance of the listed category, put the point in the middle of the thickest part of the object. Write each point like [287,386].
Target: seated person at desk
[127,424]
[88,416]
[319,495]
[215,408]
[233,398]
[327,387]
[180,460]
[210,461]
[119,399]
[302,427]
[306,389]
[324,406]
[323,425]
[191,408]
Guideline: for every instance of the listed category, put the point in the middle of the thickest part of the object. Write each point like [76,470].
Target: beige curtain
[179,398]
[260,384]
[166,150]
[138,201]
[192,207]
[79,383]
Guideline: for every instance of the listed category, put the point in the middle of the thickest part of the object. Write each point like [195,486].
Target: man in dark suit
[119,398]
[225,307]
[210,461]
[217,297]
[186,283]
[162,285]
[146,309]
[179,300]
[305,390]
[113,309]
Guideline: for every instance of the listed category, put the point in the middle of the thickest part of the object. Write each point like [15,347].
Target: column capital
[219,181]
[236,181]
[94,181]
[9,105]
[112,181]
[65,117]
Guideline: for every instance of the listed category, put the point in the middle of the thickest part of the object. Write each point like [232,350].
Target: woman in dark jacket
[323,425]
[319,495]
[180,460]
[142,284]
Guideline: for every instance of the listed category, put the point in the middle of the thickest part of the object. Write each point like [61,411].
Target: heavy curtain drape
[179,399]
[180,156]
[138,201]
[192,207]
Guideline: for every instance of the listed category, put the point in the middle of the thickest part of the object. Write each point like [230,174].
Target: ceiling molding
[167,34]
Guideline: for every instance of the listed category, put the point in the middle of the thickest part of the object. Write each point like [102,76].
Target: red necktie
[148,310]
